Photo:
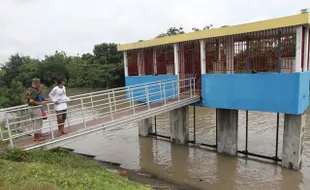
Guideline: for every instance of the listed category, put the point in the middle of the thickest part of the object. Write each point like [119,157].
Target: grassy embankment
[57,169]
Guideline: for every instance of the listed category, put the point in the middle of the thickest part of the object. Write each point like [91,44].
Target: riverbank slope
[57,169]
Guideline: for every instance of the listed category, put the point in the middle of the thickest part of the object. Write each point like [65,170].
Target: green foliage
[104,69]
[171,32]
[106,53]
[59,170]
[12,96]
[52,67]
[305,10]
[15,154]
[207,27]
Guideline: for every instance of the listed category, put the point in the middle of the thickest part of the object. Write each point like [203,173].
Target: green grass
[51,170]
[5,134]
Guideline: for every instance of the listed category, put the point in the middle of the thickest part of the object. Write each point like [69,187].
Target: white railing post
[114,100]
[133,103]
[129,96]
[161,93]
[49,120]
[179,90]
[9,129]
[165,98]
[147,97]
[82,106]
[194,86]
[110,105]
[1,132]
[68,116]
[190,87]
[92,105]
[173,91]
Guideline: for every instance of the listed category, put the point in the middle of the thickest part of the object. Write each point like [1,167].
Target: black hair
[59,80]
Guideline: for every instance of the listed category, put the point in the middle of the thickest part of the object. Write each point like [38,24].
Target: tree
[171,32]
[195,29]
[305,10]
[207,27]
[106,53]
[28,71]
[52,67]
[11,69]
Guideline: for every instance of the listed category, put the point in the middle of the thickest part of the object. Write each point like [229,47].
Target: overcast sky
[39,27]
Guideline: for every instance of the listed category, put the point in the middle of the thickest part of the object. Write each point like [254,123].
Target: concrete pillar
[179,125]
[227,132]
[293,140]
[296,67]
[154,62]
[176,58]
[306,51]
[125,63]
[145,127]
[203,56]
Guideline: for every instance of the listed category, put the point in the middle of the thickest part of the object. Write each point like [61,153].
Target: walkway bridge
[91,113]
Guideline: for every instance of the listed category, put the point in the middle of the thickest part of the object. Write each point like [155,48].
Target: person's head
[36,83]
[60,81]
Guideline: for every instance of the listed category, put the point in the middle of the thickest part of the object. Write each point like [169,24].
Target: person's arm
[32,101]
[31,97]
[52,96]
[67,98]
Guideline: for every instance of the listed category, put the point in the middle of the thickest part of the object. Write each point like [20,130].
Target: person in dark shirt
[33,100]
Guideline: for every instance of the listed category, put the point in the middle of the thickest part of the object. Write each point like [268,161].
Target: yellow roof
[300,19]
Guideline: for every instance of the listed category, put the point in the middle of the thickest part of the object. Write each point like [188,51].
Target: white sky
[39,27]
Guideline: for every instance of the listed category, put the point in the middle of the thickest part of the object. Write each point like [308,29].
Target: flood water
[202,167]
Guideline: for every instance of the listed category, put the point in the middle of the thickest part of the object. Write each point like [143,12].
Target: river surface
[202,167]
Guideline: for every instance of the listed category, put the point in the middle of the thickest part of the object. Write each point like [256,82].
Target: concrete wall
[154,90]
[268,92]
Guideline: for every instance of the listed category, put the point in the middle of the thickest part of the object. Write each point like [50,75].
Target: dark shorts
[61,115]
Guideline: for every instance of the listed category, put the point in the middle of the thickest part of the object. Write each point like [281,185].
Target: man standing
[59,97]
[33,100]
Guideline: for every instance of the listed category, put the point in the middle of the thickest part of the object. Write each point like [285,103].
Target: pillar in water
[227,132]
[179,125]
[293,140]
[145,127]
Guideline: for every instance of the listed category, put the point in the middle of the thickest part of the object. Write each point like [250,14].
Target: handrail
[84,94]
[102,104]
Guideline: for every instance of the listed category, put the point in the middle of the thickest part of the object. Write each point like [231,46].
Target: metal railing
[98,107]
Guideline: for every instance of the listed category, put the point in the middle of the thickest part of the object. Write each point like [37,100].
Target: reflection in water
[200,167]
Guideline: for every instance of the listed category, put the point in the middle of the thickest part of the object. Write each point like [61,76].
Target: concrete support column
[176,58]
[296,67]
[154,62]
[125,63]
[145,127]
[227,132]
[230,55]
[293,140]
[203,56]
[179,125]
[306,50]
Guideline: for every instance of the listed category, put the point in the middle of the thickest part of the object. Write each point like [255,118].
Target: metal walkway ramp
[89,114]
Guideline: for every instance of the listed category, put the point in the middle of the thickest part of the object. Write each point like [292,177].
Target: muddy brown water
[201,167]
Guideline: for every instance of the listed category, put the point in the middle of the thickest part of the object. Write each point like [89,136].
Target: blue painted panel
[304,91]
[139,94]
[269,92]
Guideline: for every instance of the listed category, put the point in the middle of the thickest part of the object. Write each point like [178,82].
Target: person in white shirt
[59,97]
